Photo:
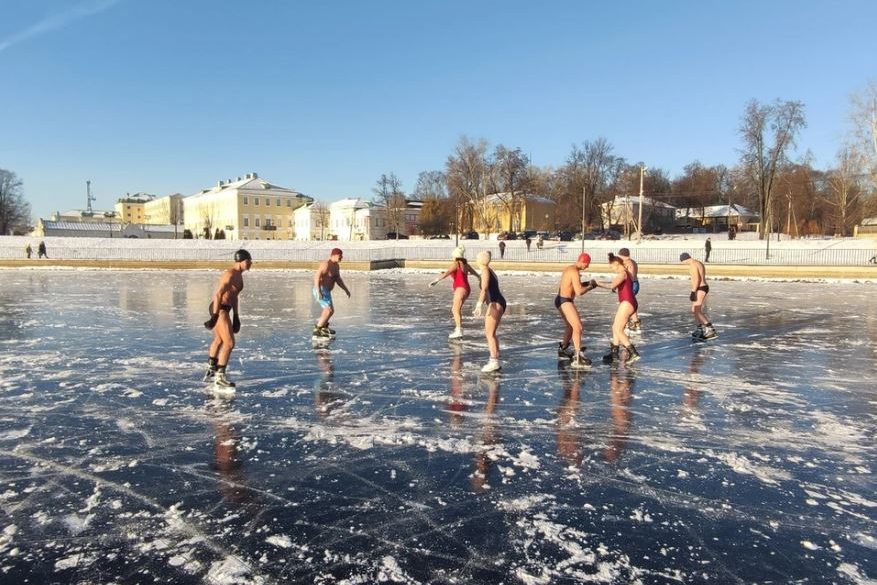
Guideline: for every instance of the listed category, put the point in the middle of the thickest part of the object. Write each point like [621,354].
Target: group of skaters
[491,305]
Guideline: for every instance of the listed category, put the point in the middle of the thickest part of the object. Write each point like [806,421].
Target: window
[290,223]
[246,221]
[257,222]
[268,222]
[246,200]
[278,202]
[267,202]
[256,201]
[289,202]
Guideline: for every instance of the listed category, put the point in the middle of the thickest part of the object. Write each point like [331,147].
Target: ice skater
[627,305]
[699,290]
[571,285]
[41,251]
[460,271]
[496,306]
[634,325]
[225,300]
[327,276]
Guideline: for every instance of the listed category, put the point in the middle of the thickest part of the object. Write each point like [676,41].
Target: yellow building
[248,208]
[502,212]
[132,208]
[166,210]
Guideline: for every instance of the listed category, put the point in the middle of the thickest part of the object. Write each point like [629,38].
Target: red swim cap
[584,258]
[335,252]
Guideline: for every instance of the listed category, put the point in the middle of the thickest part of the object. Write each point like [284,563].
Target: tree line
[789,195]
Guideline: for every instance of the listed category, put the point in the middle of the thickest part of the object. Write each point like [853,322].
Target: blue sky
[169,96]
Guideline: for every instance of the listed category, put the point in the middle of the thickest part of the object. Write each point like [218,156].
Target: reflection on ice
[385,455]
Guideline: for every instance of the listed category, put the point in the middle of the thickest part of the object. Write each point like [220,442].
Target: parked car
[527,234]
[473,235]
[563,236]
[439,237]
[506,236]
[392,236]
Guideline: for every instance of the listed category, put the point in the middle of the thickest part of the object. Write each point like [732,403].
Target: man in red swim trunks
[571,285]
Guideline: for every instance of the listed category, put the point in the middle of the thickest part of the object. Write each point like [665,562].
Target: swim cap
[684,256]
[336,252]
[624,252]
[584,258]
[458,252]
[484,257]
[242,256]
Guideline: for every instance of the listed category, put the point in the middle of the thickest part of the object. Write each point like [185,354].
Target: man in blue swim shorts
[327,276]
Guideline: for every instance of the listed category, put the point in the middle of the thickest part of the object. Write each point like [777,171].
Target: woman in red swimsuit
[460,271]
[627,306]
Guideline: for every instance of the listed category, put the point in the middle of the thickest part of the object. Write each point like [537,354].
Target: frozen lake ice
[389,457]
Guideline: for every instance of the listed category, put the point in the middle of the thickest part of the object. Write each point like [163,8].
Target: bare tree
[468,170]
[768,132]
[510,182]
[321,211]
[590,170]
[845,188]
[14,210]
[388,193]
[431,185]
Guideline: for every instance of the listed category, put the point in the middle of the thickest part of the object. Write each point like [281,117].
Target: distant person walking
[501,249]
[627,306]
[540,241]
[634,325]
[528,241]
[41,251]
[707,248]
[571,285]
[491,297]
[460,271]
[327,276]
[28,251]
[225,300]
[699,290]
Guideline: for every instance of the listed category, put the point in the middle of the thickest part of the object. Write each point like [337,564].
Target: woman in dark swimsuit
[496,306]
[627,306]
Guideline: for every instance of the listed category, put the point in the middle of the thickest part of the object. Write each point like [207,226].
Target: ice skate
[321,332]
[698,333]
[634,327]
[492,365]
[456,334]
[221,381]
[326,327]
[209,374]
[708,332]
[564,353]
[581,362]
[632,354]
[612,356]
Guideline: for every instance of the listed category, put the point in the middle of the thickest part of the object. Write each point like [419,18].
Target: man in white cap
[460,271]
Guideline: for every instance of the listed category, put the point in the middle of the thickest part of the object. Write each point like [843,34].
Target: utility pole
[642,172]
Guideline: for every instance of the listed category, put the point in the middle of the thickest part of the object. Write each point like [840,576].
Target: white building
[100,229]
[624,210]
[311,222]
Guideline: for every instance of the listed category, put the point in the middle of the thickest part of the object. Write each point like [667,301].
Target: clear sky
[170,96]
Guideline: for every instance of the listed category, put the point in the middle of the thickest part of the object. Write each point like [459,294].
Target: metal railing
[831,254]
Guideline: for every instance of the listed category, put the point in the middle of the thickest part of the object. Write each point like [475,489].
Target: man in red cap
[571,285]
[327,276]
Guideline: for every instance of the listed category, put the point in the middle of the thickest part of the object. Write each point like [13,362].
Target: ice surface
[388,457]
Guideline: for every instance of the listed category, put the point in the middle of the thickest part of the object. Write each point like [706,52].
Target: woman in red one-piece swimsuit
[627,305]
[460,271]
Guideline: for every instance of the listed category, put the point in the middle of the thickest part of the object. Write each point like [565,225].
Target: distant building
[85,216]
[101,229]
[168,210]
[623,210]
[311,222]
[866,229]
[248,208]
[717,217]
[131,208]
[355,219]
[525,211]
